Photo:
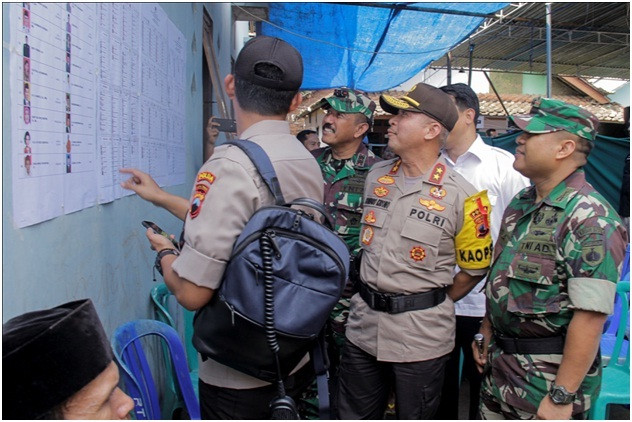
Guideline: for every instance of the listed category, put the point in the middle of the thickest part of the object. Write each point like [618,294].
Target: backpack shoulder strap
[262,163]
[321,364]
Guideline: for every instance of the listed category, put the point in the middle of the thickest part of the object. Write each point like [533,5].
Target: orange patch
[367,235]
[437,174]
[206,176]
[370,217]
[431,204]
[417,253]
[437,192]
[203,189]
[381,191]
[386,180]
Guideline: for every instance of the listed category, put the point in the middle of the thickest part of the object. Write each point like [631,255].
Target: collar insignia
[437,174]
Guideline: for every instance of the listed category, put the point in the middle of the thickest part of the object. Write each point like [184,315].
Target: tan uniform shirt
[412,237]
[228,190]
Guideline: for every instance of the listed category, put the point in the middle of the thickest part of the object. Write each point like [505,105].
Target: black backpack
[285,275]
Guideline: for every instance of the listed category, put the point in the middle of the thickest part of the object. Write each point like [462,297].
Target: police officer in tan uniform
[227,191]
[420,219]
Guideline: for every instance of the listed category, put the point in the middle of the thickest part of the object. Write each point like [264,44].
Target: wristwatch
[559,395]
[162,254]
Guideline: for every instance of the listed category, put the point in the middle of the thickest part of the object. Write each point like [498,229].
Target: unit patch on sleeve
[592,240]
[196,204]
[206,176]
[474,242]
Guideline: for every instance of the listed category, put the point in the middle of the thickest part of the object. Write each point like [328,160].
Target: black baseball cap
[275,51]
[426,99]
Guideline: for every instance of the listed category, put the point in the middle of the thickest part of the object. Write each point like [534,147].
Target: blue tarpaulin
[370,48]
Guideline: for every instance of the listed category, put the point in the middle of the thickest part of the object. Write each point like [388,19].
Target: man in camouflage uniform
[344,163]
[553,279]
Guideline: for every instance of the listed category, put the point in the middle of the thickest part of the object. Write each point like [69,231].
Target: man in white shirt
[485,167]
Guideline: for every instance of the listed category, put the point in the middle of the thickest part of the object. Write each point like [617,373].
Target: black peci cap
[49,355]
[275,51]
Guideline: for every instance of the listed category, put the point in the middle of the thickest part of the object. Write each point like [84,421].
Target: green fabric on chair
[160,295]
[615,383]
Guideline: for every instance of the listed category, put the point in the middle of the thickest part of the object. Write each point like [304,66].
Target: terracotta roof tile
[489,104]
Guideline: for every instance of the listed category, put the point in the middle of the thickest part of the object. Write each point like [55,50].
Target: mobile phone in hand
[226,125]
[158,230]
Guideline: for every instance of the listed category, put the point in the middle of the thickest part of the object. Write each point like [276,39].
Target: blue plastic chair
[160,295]
[615,382]
[138,378]
[609,336]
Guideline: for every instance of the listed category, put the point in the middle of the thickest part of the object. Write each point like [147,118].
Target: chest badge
[381,191]
[370,217]
[431,204]
[386,180]
[417,253]
[367,235]
[436,175]
[437,192]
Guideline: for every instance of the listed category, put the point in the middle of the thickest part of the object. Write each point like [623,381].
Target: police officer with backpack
[419,219]
[227,191]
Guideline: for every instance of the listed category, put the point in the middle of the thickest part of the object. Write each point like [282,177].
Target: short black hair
[302,135]
[465,97]
[262,100]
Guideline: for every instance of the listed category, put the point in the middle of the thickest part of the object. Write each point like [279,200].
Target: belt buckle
[383,302]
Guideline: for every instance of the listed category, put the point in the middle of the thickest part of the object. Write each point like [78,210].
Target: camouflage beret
[345,100]
[548,115]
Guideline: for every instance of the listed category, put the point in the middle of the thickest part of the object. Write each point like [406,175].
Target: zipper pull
[272,236]
[232,313]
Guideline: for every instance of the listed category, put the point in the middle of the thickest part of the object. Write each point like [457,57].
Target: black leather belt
[531,346]
[395,304]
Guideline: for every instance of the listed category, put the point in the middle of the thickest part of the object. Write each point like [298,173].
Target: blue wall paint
[100,252]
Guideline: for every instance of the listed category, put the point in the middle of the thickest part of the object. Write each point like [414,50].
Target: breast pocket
[349,210]
[533,287]
[419,246]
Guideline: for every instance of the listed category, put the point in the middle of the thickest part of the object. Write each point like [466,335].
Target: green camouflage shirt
[344,190]
[552,257]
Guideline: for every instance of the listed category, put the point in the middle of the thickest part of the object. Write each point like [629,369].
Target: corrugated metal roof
[588,39]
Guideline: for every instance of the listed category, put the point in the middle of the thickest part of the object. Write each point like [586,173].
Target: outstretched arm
[188,294]
[147,188]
